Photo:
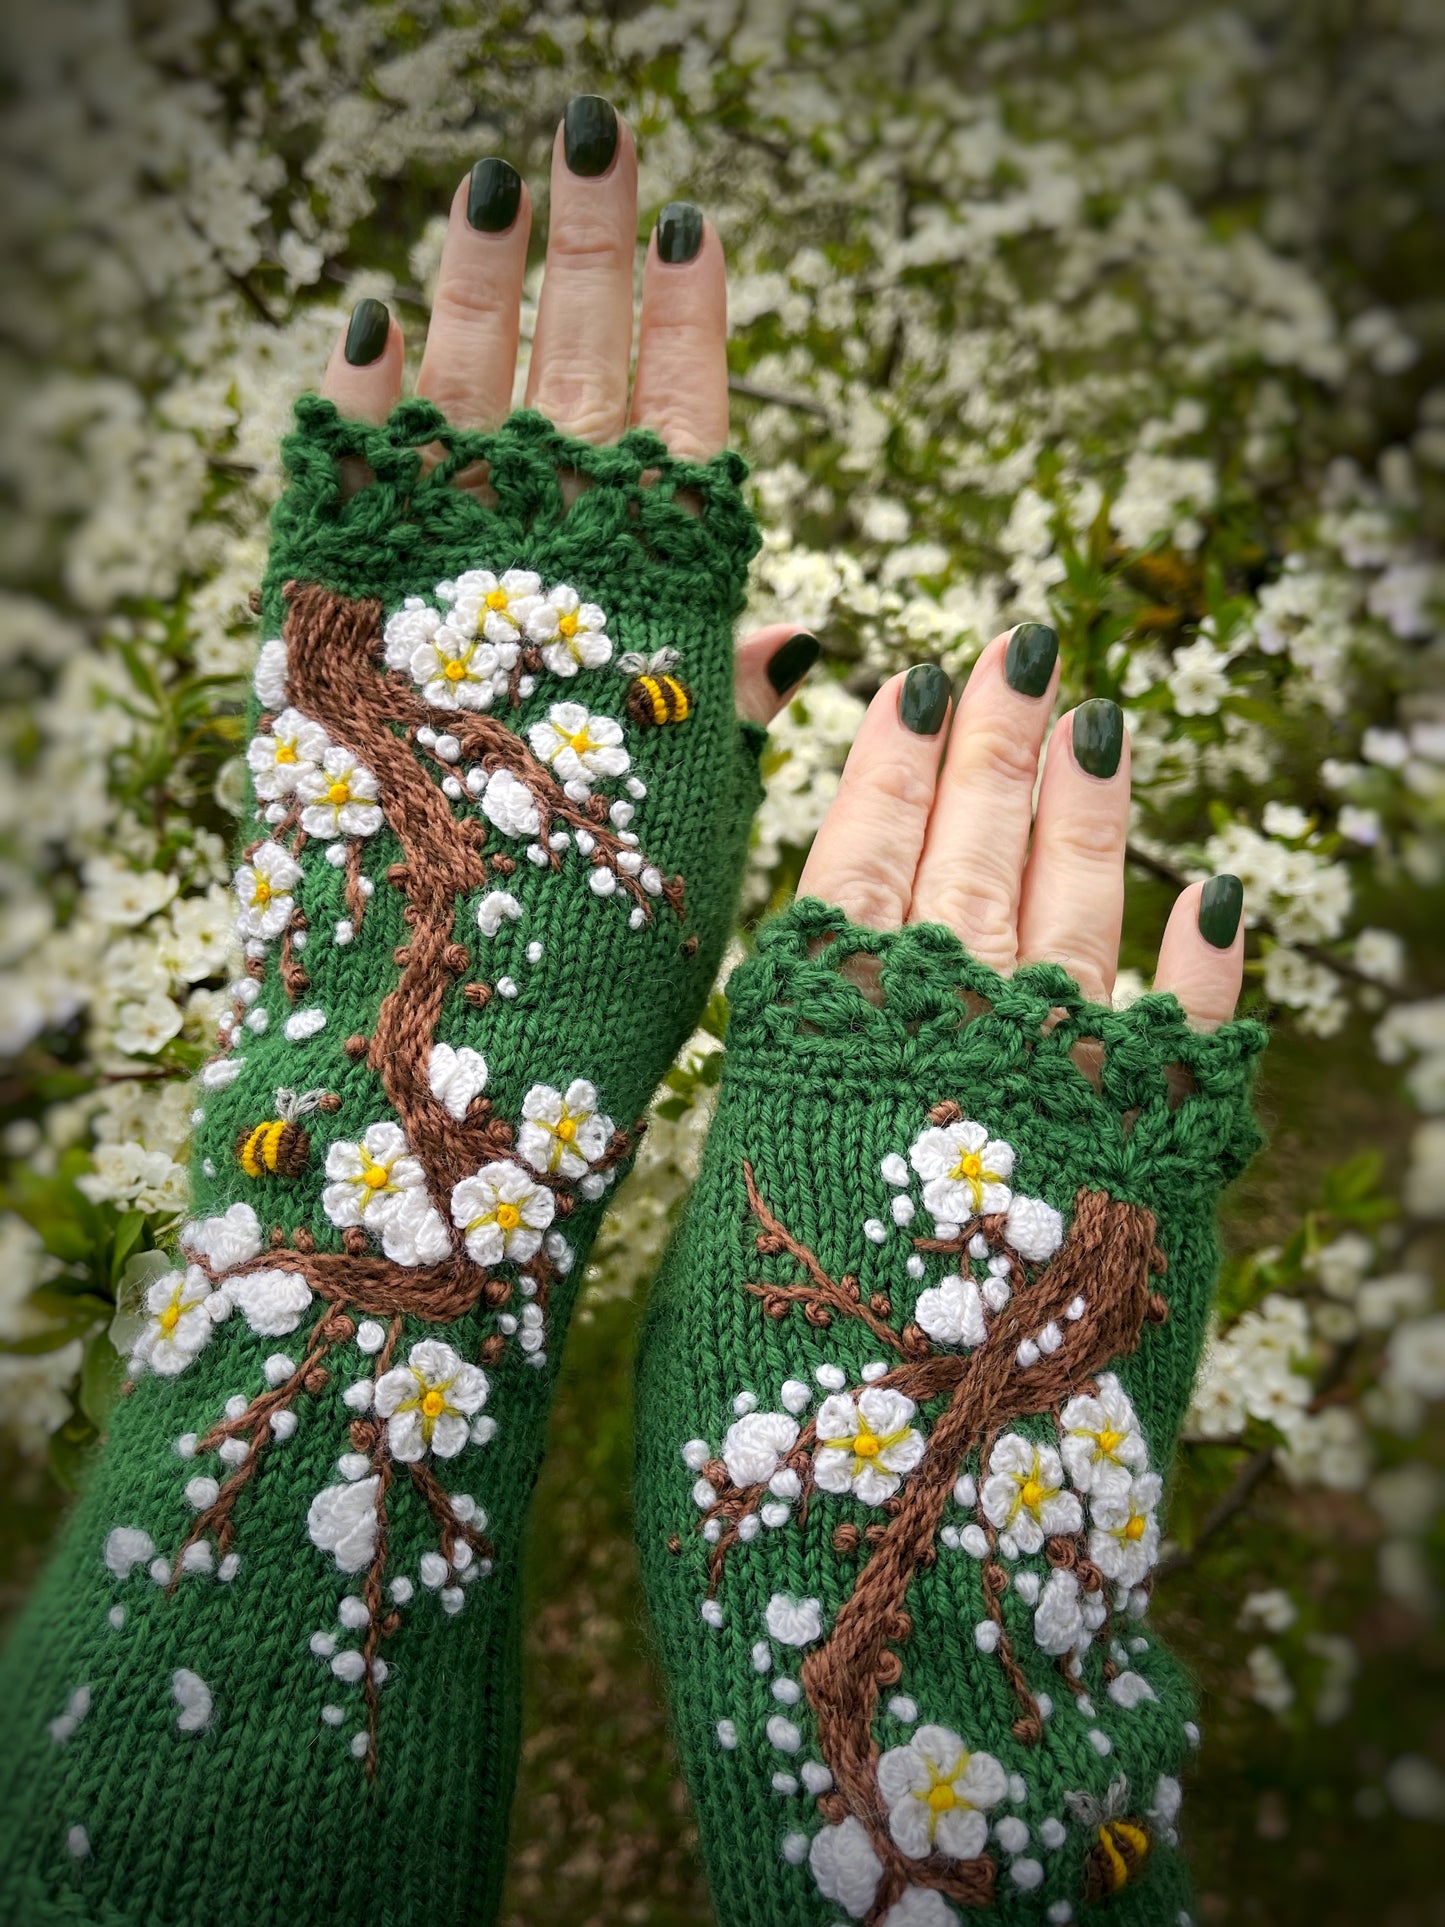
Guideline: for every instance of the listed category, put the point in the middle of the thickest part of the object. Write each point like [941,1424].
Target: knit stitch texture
[484,884]
[910,1379]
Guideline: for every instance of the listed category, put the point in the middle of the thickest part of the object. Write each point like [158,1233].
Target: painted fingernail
[589,134]
[679,232]
[1220,903]
[1098,736]
[792,660]
[1033,649]
[923,703]
[494,193]
[366,333]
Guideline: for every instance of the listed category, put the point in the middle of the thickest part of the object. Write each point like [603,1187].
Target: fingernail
[494,194]
[589,134]
[1098,736]
[1033,649]
[366,333]
[792,660]
[1220,903]
[923,703]
[679,232]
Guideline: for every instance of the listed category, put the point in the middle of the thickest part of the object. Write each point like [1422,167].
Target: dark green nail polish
[589,134]
[1098,736]
[792,660]
[1220,904]
[679,232]
[494,194]
[923,703]
[1033,649]
[367,332]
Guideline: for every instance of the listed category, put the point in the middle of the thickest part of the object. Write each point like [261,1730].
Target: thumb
[771,663]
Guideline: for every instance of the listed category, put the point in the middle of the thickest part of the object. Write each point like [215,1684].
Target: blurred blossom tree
[1122,313]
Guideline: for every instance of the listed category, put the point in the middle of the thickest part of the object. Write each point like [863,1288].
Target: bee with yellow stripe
[655,695]
[280,1146]
[1121,1844]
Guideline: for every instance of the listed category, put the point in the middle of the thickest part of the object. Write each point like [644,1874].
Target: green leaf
[102,1372]
[39,1343]
[672,1108]
[128,1234]
[72,1451]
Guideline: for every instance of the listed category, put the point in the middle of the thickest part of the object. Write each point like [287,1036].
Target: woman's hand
[1021,870]
[582,352]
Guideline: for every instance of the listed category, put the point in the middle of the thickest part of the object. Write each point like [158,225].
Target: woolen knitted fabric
[909,1379]
[485,878]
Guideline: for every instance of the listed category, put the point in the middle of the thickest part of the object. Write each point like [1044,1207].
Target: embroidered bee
[1122,1843]
[654,694]
[280,1146]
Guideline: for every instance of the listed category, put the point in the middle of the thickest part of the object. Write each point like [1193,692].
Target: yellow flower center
[375,1176]
[455,670]
[1033,1495]
[1135,1527]
[498,600]
[434,1404]
[508,1216]
[865,1446]
[942,1797]
[285,753]
[1110,1441]
[567,625]
[969,1165]
[262,892]
[581,742]
[566,1130]
[338,793]
[171,1316]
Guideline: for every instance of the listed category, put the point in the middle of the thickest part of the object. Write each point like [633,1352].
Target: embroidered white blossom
[460,672]
[952,1312]
[127,1546]
[1033,1228]
[1059,1623]
[293,749]
[339,799]
[429,1402]
[271,1302]
[456,1076]
[494,607]
[193,1696]
[342,1521]
[407,628]
[939,1794]
[503,1213]
[369,1178]
[965,1171]
[232,1239]
[1102,1446]
[756,1445]
[414,1232]
[578,745]
[269,677]
[263,889]
[572,632]
[794,1622]
[1022,1495]
[510,805]
[180,1323]
[866,1447]
[563,1135]
[845,1866]
[1124,1542]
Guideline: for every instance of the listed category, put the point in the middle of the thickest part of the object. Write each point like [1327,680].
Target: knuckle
[870,899]
[467,302]
[1001,756]
[582,247]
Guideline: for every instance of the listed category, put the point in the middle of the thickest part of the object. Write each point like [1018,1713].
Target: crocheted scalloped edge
[795,1014]
[407,514]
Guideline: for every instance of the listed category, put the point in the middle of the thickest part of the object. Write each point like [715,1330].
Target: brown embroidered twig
[823,1295]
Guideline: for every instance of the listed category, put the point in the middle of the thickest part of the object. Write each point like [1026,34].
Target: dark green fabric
[841,1042]
[263,1813]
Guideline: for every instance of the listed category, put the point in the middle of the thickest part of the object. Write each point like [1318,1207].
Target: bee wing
[1116,1800]
[287,1104]
[1085,1808]
[664,660]
[632,664]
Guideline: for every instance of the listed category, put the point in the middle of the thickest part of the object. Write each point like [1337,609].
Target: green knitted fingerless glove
[500,807]
[910,1379]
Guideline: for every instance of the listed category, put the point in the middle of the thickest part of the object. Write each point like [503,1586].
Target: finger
[1072,905]
[771,663]
[471,346]
[978,834]
[363,376]
[1202,956]
[583,343]
[682,368]
[864,856]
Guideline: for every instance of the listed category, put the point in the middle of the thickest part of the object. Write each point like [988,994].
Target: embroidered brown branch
[1107,1260]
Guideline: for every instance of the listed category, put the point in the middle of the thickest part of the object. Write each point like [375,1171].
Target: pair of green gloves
[913,1369]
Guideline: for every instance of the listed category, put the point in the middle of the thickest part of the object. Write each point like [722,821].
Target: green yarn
[226,1765]
[840,1044]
